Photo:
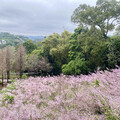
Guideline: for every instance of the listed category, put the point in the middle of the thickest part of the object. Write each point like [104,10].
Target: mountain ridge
[7,38]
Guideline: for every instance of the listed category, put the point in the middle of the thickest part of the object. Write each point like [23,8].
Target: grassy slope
[96,96]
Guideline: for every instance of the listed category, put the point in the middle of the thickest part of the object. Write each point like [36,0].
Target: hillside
[11,39]
[92,97]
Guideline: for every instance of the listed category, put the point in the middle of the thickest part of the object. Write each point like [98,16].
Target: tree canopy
[105,16]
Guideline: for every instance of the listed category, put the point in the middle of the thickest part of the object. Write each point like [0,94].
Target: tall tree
[55,47]
[60,52]
[29,46]
[45,66]
[87,51]
[2,64]
[20,59]
[114,51]
[88,45]
[48,43]
[33,64]
[8,57]
[104,16]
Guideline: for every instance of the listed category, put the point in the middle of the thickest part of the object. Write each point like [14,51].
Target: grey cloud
[37,17]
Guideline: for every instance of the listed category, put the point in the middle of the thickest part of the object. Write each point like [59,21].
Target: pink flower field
[92,97]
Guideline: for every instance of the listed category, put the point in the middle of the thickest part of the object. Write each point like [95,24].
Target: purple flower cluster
[84,97]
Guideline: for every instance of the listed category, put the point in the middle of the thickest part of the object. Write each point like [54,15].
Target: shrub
[76,67]
[7,99]
[96,82]
[110,115]
[24,76]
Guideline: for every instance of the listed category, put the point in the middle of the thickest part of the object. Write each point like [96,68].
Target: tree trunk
[20,74]
[8,75]
[2,79]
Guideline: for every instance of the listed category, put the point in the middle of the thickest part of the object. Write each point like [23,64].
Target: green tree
[56,47]
[104,16]
[88,44]
[74,43]
[76,67]
[87,48]
[48,43]
[60,52]
[29,46]
[38,52]
[114,51]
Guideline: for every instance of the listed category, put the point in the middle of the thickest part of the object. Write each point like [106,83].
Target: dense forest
[91,46]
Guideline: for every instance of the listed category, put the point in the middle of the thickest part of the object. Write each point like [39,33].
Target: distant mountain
[11,39]
[36,38]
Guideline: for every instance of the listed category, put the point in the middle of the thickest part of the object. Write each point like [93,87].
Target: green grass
[12,76]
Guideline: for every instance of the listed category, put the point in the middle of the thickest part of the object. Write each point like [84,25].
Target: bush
[76,67]
[111,114]
[24,76]
[7,99]
[96,82]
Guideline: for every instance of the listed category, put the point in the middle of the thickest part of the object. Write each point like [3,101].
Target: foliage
[76,67]
[38,52]
[29,46]
[9,56]
[11,39]
[11,87]
[24,76]
[56,47]
[103,16]
[96,82]
[45,66]
[90,40]
[88,46]
[82,52]
[20,60]
[32,64]
[74,43]
[2,61]
[7,99]
[114,51]
[110,115]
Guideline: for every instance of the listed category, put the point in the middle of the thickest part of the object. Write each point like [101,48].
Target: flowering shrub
[85,97]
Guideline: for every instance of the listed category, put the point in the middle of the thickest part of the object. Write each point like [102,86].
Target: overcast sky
[38,17]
